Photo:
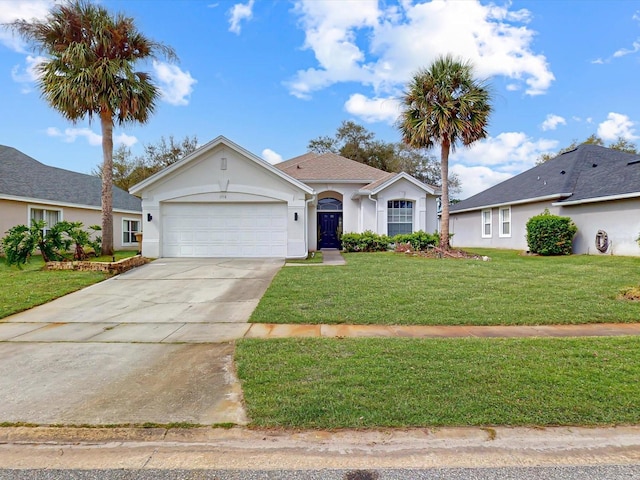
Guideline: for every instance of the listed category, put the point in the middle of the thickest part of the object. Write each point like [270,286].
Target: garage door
[224,230]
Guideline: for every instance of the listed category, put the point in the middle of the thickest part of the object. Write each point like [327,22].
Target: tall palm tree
[445,105]
[90,72]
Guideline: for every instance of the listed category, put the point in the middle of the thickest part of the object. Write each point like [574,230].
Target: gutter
[517,202]
[622,196]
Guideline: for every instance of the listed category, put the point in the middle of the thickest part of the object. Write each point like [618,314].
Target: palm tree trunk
[444,173]
[106,123]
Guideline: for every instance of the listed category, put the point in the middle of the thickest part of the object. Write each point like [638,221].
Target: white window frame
[130,232]
[389,217]
[44,210]
[484,223]
[501,217]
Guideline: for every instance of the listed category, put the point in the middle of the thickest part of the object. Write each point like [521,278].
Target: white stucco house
[224,201]
[597,187]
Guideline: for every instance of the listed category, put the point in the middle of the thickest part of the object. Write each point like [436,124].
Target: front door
[328,225]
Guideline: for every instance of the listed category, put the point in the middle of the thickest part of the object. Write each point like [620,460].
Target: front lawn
[31,286]
[511,289]
[392,382]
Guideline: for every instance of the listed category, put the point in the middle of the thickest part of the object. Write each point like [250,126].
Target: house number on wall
[223,196]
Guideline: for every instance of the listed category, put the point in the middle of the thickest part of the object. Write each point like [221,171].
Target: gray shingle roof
[587,172]
[23,176]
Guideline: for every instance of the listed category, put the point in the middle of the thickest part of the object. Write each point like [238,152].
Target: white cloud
[552,121]
[238,13]
[124,139]
[373,109]
[271,156]
[626,51]
[476,179]
[495,159]
[13,10]
[384,47]
[615,126]
[70,135]
[29,74]
[175,85]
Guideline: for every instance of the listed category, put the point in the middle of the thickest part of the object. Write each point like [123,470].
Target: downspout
[306,224]
[375,201]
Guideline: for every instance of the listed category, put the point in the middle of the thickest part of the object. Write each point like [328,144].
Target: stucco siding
[403,190]
[222,175]
[466,227]
[14,213]
[619,219]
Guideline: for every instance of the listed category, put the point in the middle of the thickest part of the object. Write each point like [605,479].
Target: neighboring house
[30,190]
[223,201]
[597,187]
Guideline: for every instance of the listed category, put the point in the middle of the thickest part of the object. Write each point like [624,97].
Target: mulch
[437,252]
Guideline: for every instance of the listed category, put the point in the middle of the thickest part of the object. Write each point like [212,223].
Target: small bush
[365,242]
[419,240]
[54,244]
[550,234]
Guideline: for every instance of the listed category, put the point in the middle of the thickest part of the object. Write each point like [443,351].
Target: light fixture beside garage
[295,216]
[149,217]
[223,163]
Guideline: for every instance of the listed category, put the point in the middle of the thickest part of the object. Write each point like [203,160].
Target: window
[505,221]
[399,217]
[129,230]
[486,223]
[330,204]
[51,217]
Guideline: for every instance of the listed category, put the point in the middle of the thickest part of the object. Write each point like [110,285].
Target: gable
[216,170]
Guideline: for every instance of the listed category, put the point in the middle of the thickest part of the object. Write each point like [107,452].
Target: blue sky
[272,75]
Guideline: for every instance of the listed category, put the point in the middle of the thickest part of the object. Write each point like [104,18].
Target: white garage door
[224,230]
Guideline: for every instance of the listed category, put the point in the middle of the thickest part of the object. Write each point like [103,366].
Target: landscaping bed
[112,268]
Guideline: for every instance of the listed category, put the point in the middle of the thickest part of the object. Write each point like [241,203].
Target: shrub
[550,234]
[365,242]
[419,240]
[54,244]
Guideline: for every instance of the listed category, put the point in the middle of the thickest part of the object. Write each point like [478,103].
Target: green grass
[316,258]
[390,288]
[31,286]
[351,383]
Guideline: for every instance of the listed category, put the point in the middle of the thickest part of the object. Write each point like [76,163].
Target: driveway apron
[150,345]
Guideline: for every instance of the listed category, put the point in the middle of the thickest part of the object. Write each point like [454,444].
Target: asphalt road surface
[608,472]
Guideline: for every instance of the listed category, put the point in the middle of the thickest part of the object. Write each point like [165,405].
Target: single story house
[597,187]
[30,190]
[223,201]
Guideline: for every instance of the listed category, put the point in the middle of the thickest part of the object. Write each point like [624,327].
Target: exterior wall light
[149,217]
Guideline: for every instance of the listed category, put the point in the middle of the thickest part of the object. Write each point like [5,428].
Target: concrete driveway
[150,345]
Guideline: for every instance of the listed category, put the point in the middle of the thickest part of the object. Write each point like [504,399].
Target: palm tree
[444,104]
[89,72]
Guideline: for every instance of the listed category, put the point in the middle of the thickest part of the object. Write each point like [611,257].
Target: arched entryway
[329,220]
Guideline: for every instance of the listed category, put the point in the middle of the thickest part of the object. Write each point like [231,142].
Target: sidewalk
[251,449]
[272,330]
